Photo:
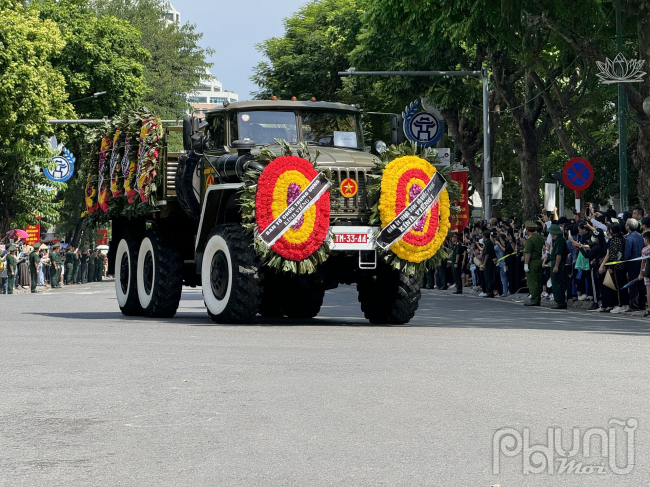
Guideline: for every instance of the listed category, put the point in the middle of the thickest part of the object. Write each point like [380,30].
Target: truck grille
[348,207]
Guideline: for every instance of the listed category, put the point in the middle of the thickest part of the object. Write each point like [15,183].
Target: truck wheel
[126,265]
[391,299]
[160,275]
[272,295]
[230,277]
[302,301]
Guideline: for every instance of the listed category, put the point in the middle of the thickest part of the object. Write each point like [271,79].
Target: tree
[305,61]
[579,38]
[177,62]
[100,54]
[31,92]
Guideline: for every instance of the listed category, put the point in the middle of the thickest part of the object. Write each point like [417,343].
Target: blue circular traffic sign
[578,174]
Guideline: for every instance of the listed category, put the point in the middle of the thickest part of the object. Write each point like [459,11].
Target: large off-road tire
[126,269]
[188,184]
[272,295]
[392,298]
[160,275]
[302,301]
[230,275]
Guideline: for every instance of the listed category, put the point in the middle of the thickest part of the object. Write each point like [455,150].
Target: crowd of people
[599,256]
[25,266]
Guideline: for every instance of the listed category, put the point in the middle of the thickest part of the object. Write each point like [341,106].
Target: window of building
[198,99]
[217,99]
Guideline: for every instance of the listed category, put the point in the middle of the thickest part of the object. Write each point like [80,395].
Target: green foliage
[101,54]
[31,92]
[176,61]
[305,61]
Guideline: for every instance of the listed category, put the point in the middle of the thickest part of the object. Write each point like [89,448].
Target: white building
[210,94]
[171,14]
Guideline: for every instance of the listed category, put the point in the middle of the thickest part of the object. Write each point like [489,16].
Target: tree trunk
[530,176]
[641,160]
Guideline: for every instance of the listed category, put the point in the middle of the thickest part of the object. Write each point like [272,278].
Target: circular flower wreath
[403,179]
[278,186]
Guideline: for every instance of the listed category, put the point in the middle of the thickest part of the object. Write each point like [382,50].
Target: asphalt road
[89,397]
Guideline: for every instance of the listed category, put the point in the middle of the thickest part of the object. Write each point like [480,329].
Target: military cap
[531,225]
[56,245]
[555,229]
[12,247]
[486,234]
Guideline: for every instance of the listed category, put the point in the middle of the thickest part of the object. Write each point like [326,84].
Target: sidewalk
[521,298]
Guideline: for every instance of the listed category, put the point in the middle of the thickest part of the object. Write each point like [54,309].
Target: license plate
[351,238]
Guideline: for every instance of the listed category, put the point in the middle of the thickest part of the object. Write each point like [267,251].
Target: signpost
[578,175]
[425,128]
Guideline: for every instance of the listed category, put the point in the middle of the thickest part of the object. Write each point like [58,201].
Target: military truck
[195,236]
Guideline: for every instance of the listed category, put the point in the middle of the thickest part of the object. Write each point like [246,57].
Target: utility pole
[622,102]
[487,169]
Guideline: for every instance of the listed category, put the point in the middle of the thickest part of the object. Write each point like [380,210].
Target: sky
[232,29]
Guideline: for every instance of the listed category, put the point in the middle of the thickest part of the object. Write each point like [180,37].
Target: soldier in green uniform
[75,267]
[83,258]
[489,261]
[558,261]
[100,266]
[11,269]
[91,266]
[55,262]
[533,263]
[33,267]
[69,265]
[457,259]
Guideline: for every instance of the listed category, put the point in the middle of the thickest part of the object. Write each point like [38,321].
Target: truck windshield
[333,129]
[263,127]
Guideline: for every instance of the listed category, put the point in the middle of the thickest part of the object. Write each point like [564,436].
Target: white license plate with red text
[353,238]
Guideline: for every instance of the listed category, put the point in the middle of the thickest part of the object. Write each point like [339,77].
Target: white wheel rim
[122,249]
[215,305]
[145,247]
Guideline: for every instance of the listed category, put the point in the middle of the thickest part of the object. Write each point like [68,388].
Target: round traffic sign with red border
[578,174]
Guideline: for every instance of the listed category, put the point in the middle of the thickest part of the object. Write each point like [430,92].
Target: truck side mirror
[188,131]
[396,129]
[193,139]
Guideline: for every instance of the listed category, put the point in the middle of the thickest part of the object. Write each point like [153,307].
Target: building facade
[210,94]
[171,14]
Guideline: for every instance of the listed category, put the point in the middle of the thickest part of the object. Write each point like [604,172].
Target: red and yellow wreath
[403,179]
[280,183]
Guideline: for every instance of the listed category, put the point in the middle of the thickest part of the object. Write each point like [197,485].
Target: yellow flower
[414,246]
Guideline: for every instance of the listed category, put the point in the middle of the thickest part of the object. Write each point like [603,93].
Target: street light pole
[622,102]
[487,159]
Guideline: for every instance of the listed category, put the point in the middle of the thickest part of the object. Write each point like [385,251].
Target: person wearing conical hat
[558,269]
[533,263]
